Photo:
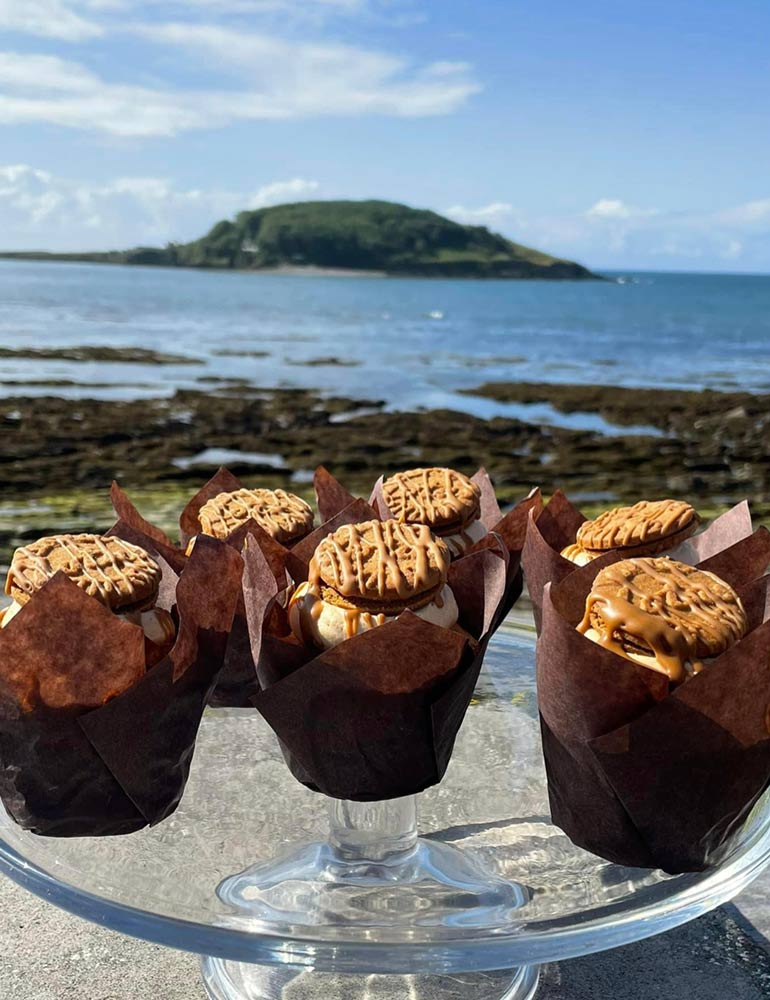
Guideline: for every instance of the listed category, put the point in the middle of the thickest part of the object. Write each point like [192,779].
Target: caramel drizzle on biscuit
[32,567]
[274,510]
[669,620]
[645,521]
[416,496]
[339,561]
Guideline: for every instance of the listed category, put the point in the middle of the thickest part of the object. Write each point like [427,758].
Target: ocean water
[412,343]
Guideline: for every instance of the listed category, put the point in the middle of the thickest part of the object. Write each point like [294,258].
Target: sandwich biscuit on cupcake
[663,614]
[364,575]
[121,576]
[284,516]
[448,502]
[644,529]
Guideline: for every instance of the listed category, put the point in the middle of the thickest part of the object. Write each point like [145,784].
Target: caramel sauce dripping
[352,616]
[667,620]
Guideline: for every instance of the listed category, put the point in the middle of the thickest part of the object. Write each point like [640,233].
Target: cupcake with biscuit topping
[653,688]
[226,510]
[107,659]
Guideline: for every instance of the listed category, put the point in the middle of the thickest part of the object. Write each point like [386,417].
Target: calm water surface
[409,342]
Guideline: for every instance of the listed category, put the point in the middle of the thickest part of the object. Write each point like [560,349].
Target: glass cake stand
[288,895]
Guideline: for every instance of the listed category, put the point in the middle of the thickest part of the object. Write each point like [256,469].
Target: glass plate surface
[242,806]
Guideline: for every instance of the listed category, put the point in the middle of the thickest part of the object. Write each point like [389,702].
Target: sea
[408,342]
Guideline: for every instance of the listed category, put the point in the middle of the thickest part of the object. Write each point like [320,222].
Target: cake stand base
[374,881]
[240,981]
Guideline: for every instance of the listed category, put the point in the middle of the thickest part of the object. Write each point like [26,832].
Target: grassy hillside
[357,235]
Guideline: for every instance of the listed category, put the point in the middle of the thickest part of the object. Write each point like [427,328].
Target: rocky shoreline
[58,457]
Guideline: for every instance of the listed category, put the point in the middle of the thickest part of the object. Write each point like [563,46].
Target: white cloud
[496,213]
[276,80]
[297,189]
[41,211]
[613,208]
[616,233]
[39,88]
[48,18]
[78,20]
[750,214]
[263,6]
[32,73]
[289,79]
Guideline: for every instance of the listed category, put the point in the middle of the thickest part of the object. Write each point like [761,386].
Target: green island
[379,237]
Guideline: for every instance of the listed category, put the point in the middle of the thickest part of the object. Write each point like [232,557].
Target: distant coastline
[289,270]
[282,270]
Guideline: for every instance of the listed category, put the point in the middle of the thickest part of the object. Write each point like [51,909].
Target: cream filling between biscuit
[316,621]
[459,543]
[157,624]
[648,660]
[10,612]
[576,554]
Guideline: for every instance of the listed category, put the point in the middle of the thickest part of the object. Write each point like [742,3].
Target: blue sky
[623,135]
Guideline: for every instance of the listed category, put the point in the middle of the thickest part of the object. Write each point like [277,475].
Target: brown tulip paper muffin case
[73,766]
[331,495]
[376,716]
[556,526]
[639,774]
[238,680]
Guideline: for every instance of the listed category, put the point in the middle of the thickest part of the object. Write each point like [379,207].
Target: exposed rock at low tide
[712,451]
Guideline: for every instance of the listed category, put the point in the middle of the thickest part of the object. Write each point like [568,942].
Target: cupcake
[664,615]
[121,576]
[448,502]
[225,510]
[653,687]
[97,725]
[644,529]
[284,516]
[364,575]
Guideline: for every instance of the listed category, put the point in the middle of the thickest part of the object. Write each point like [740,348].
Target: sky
[623,135]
